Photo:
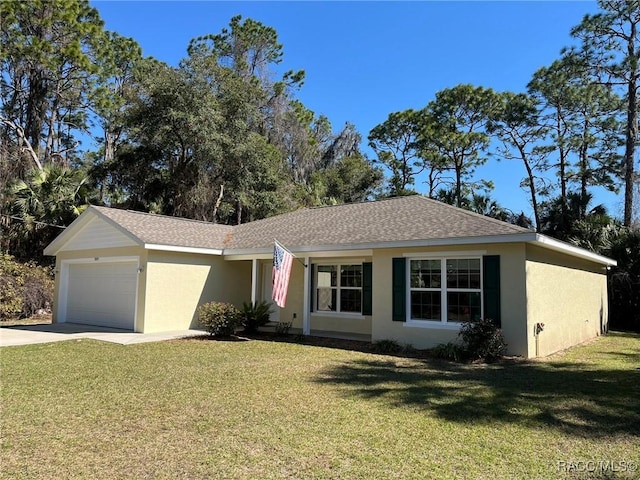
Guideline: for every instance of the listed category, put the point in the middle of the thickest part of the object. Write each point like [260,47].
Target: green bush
[255,315]
[448,351]
[387,346]
[219,319]
[482,340]
[25,288]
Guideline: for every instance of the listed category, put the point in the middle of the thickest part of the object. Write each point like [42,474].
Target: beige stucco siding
[568,295]
[177,283]
[102,254]
[360,325]
[513,298]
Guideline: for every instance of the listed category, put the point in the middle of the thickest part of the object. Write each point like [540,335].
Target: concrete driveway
[58,332]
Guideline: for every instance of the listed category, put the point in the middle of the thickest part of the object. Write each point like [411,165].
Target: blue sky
[364,60]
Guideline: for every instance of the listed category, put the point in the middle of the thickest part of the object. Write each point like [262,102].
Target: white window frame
[444,310]
[337,311]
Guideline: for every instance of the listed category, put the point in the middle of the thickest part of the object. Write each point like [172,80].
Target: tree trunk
[532,187]
[584,180]
[631,130]
[217,204]
[562,172]
[458,186]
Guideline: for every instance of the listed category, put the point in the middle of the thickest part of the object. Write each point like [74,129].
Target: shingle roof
[402,221]
[162,230]
[399,219]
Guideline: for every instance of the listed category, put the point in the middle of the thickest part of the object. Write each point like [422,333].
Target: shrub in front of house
[482,340]
[387,346]
[26,289]
[255,315]
[448,351]
[219,319]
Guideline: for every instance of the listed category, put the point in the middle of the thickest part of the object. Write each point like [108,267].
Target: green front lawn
[257,409]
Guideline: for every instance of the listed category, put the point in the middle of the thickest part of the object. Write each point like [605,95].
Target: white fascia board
[558,246]
[249,256]
[262,254]
[175,248]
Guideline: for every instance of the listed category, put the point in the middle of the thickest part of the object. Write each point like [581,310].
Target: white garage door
[102,294]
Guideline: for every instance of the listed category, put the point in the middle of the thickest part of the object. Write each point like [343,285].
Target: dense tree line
[220,137]
[575,128]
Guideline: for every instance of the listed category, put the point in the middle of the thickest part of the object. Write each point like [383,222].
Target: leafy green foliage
[54,57]
[455,128]
[516,124]
[581,129]
[448,351]
[219,319]
[387,346]
[609,52]
[396,143]
[567,219]
[482,340]
[25,288]
[282,328]
[255,315]
[47,199]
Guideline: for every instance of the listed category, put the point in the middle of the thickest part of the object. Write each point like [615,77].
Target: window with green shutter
[399,290]
[341,288]
[491,288]
[446,290]
[367,288]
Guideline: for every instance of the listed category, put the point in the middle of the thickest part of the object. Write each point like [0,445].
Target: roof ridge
[361,202]
[322,207]
[160,215]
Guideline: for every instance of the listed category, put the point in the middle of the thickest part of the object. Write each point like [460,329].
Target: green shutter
[399,289]
[491,287]
[367,288]
[312,285]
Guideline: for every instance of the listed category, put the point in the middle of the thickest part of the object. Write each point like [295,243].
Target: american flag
[282,260]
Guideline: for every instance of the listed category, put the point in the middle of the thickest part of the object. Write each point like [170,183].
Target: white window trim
[443,323]
[337,313]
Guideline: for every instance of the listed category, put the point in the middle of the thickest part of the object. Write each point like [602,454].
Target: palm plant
[255,315]
[53,196]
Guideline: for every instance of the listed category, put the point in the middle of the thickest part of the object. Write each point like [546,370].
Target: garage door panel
[102,294]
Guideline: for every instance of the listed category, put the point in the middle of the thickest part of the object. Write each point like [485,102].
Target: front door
[267,291]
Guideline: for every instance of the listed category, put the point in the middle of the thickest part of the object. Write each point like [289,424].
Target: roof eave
[559,246]
[176,248]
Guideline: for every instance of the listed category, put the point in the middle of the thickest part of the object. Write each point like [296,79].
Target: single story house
[408,269]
